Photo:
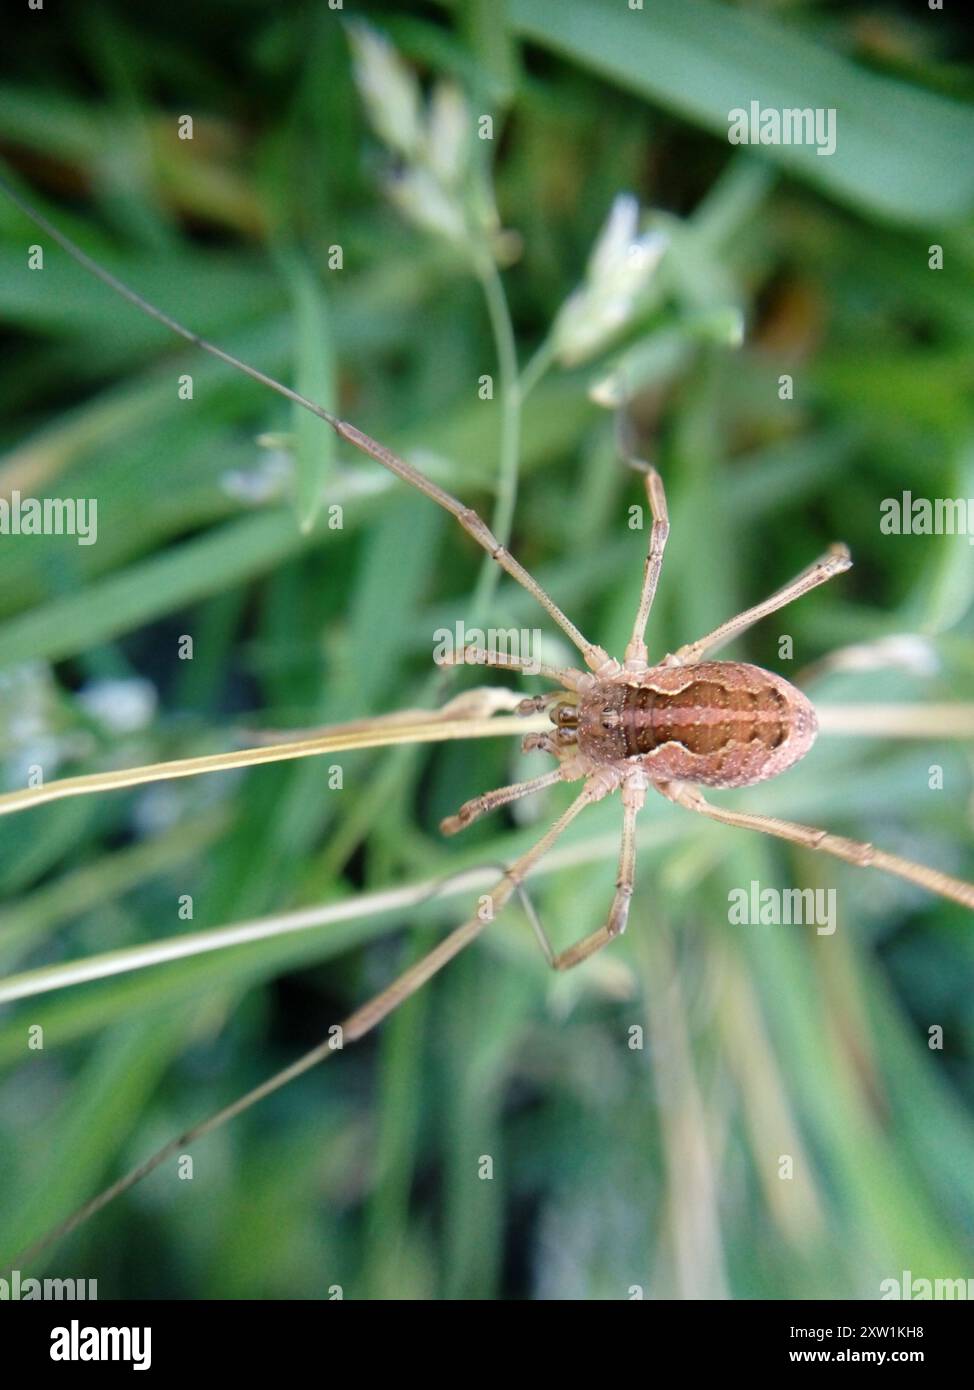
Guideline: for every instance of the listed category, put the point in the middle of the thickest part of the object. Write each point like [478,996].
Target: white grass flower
[448,135]
[389,89]
[425,203]
[437,184]
[620,269]
[269,479]
[120,706]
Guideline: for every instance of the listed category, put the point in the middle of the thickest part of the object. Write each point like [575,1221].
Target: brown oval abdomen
[704,718]
[719,723]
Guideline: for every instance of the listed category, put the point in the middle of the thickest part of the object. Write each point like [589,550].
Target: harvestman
[617,726]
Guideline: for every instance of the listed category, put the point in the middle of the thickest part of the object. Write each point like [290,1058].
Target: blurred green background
[614,1166]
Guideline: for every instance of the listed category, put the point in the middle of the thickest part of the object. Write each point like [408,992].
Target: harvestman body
[616,726]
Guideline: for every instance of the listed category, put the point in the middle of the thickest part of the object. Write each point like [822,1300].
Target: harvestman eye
[617,726]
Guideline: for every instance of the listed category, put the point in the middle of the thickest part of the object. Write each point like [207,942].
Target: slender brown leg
[636,654]
[491,801]
[633,796]
[566,676]
[835,560]
[595,658]
[359,1023]
[365,1018]
[853,851]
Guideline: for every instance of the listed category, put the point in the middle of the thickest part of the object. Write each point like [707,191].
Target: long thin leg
[359,1023]
[636,654]
[597,659]
[491,801]
[633,797]
[835,560]
[365,1018]
[566,676]
[853,851]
